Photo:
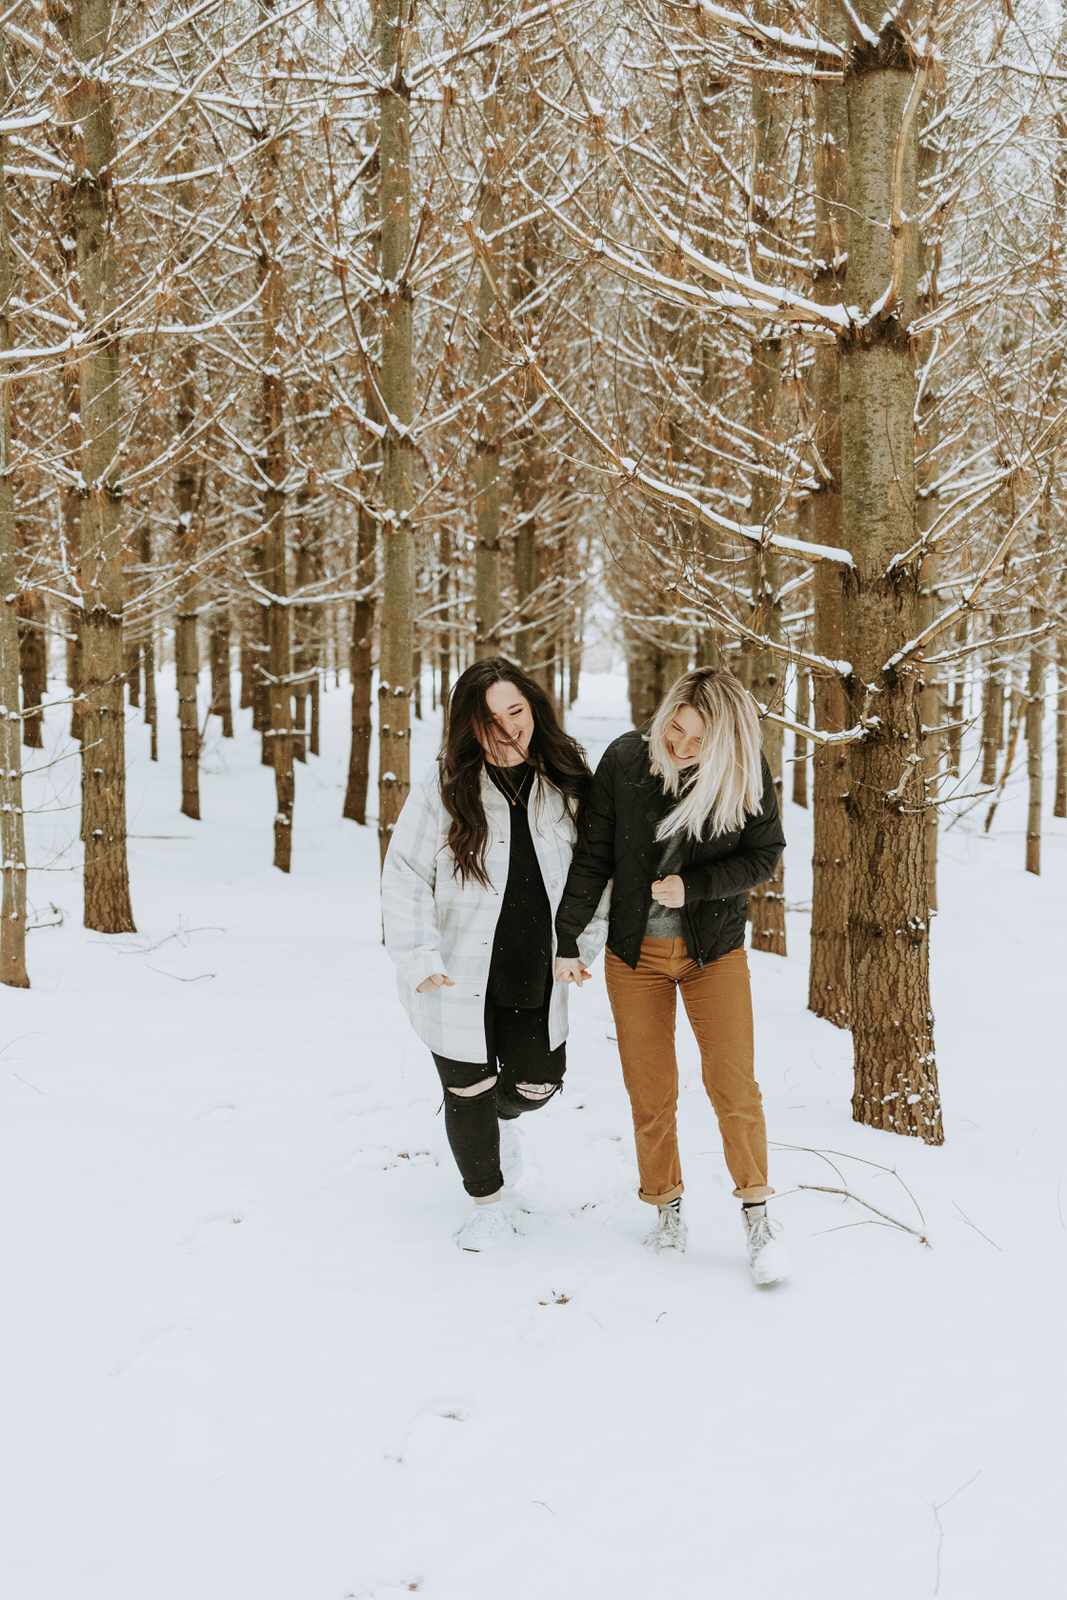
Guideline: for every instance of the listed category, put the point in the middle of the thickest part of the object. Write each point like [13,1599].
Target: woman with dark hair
[683,820]
[472,879]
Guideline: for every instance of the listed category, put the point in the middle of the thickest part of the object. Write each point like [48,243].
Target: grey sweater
[663,922]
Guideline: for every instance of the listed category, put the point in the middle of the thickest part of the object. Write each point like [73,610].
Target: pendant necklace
[512,795]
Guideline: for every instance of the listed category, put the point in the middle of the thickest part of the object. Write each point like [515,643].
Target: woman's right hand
[435,981]
[570,969]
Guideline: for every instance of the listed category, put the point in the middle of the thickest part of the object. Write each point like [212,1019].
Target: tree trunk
[12,841]
[800,745]
[361,662]
[490,413]
[274,467]
[828,978]
[362,670]
[954,743]
[770,123]
[889,927]
[32,613]
[132,663]
[1035,689]
[397,386]
[151,705]
[186,644]
[107,889]
[444,634]
[219,649]
[993,705]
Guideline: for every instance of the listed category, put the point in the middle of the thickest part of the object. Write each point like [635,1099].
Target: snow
[245,1360]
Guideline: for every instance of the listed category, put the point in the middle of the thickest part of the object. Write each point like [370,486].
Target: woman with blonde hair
[684,820]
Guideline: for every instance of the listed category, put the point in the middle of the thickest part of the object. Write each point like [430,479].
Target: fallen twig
[892,1221]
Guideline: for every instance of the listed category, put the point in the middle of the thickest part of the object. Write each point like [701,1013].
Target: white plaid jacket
[433,923]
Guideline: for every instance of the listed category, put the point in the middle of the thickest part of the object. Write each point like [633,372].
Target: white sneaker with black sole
[510,1153]
[767,1256]
[484,1229]
[670,1232]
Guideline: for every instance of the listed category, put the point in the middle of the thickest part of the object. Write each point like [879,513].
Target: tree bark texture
[770,121]
[397,386]
[362,670]
[148,656]
[273,465]
[828,980]
[12,840]
[800,744]
[186,646]
[89,104]
[490,415]
[32,613]
[219,655]
[1037,669]
[361,664]
[993,705]
[892,1024]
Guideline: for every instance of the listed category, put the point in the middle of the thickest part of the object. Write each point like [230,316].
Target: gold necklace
[509,791]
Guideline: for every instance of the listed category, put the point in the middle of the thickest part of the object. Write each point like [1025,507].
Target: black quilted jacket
[626,803]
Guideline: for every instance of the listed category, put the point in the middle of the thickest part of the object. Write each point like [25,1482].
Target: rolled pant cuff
[757,1191]
[662,1199]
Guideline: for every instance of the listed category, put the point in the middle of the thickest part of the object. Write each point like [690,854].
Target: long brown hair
[553,754]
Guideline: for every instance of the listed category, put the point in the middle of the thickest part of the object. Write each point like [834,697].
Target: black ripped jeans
[517,1051]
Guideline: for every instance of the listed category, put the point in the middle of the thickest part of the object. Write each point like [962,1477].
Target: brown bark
[273,465]
[398,457]
[828,978]
[444,633]
[490,413]
[148,656]
[800,744]
[361,646]
[219,652]
[186,541]
[993,705]
[12,842]
[89,103]
[1035,690]
[32,613]
[769,123]
[892,1026]
[362,671]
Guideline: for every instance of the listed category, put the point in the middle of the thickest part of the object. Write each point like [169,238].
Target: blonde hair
[727,785]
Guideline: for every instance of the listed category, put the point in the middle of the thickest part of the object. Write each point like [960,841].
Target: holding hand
[570,969]
[669,892]
[434,982]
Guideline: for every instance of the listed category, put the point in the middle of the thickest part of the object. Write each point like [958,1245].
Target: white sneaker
[670,1232]
[767,1257]
[483,1229]
[510,1153]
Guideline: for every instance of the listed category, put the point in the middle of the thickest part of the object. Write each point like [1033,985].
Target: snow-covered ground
[244,1360]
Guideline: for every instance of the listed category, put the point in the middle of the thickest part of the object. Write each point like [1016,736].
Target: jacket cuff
[689,883]
[566,946]
[416,972]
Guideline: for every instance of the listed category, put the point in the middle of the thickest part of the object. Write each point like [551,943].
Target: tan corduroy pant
[718,1003]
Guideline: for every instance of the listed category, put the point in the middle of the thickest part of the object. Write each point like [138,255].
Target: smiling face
[684,735]
[508,738]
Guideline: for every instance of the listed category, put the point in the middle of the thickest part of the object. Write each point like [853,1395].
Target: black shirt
[522,945]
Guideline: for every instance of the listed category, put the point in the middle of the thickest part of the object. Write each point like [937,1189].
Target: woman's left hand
[669,892]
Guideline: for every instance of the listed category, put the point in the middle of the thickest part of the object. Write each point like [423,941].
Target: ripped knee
[475,1088]
[538,1092]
